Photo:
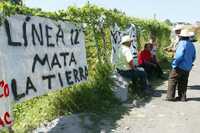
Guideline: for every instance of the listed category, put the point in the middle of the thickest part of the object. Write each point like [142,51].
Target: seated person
[125,66]
[146,61]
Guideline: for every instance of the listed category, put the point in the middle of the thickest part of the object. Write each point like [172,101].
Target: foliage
[95,95]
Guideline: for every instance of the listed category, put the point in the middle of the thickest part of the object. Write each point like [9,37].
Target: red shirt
[144,55]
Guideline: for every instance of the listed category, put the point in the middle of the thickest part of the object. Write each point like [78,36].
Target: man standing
[181,66]
[125,64]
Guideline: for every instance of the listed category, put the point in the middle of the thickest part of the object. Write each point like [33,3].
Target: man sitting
[125,65]
[146,61]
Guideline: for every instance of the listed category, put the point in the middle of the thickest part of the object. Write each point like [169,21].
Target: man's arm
[172,46]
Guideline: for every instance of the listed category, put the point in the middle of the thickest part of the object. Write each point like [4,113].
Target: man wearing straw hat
[125,65]
[181,66]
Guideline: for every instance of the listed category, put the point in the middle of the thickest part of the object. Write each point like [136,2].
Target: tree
[168,22]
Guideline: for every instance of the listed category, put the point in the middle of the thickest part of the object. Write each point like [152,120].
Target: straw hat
[185,33]
[125,39]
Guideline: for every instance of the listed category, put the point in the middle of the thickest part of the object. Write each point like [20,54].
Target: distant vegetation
[197,31]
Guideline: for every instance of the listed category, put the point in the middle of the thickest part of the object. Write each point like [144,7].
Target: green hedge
[95,95]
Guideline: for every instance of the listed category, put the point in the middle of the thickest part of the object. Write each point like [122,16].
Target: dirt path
[160,116]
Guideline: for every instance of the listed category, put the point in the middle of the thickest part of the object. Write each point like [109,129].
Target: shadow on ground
[107,121]
[194,87]
[194,99]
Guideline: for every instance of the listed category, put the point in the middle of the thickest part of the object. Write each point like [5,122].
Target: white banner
[5,105]
[131,30]
[115,40]
[116,35]
[38,55]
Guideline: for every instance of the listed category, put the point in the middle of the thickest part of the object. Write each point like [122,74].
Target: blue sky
[175,10]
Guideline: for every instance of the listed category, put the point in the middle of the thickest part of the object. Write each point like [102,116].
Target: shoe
[183,99]
[178,98]
[170,99]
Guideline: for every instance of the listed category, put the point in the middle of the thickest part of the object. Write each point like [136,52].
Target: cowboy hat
[185,33]
[125,39]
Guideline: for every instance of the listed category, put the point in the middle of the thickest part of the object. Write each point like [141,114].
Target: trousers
[177,78]
[132,74]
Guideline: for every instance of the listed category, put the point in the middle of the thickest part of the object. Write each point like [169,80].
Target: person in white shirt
[125,65]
